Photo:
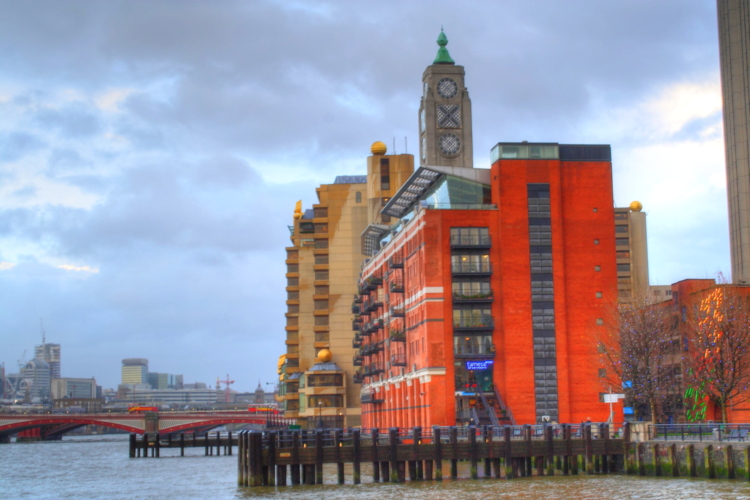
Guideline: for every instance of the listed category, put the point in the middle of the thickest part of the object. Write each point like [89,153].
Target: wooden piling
[393,455]
[438,456]
[295,467]
[454,455]
[708,459]
[674,462]
[271,459]
[550,458]
[375,460]
[656,459]
[319,457]
[487,439]
[337,443]
[588,451]
[132,445]
[357,451]
[473,452]
[527,461]
[182,444]
[690,456]
[509,469]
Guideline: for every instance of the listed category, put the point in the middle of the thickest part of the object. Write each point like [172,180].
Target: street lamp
[320,414]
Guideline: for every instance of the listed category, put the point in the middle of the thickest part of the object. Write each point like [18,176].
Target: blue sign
[627,384]
[480,365]
[627,410]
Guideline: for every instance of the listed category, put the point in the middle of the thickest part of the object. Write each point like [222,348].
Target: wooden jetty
[265,457]
[141,445]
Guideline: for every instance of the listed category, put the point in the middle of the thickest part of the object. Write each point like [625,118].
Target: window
[322,337]
[385,174]
[321,259]
[472,318]
[470,236]
[597,268]
[542,291]
[623,255]
[321,275]
[623,268]
[320,305]
[292,308]
[321,290]
[292,268]
[540,235]
[320,212]
[321,320]
[471,290]
[292,321]
[602,372]
[470,263]
[621,229]
[292,295]
[292,254]
[321,243]
[599,321]
[541,262]
[539,207]
[327,401]
[292,282]
[596,209]
[622,242]
[330,380]
[358,197]
[321,228]
[596,242]
[621,216]
[598,295]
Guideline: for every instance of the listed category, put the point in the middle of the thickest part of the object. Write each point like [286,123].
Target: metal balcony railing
[475,241]
[475,268]
[483,322]
[474,350]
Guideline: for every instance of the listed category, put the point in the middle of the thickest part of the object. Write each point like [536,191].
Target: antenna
[44,335]
[406,151]
[394,145]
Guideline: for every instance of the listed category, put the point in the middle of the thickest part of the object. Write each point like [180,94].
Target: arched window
[359,197]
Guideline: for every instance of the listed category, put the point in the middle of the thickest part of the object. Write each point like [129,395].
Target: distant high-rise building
[135,371]
[50,353]
[632,252]
[36,379]
[734,48]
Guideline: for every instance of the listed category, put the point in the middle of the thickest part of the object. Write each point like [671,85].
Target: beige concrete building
[323,265]
[632,251]
[734,48]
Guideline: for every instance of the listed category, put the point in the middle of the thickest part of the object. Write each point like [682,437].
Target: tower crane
[226,383]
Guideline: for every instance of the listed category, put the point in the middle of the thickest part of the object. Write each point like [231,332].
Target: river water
[98,467]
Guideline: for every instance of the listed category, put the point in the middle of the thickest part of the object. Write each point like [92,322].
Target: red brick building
[482,304]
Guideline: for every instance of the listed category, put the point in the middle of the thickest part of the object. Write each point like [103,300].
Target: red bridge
[53,426]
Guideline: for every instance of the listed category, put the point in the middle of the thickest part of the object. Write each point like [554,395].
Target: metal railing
[699,432]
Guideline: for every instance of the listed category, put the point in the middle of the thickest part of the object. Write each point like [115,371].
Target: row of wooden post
[152,441]
[386,465]
[635,462]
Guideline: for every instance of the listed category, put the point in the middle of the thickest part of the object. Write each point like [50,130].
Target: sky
[151,152]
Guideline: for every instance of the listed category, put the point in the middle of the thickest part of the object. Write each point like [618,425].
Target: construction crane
[226,383]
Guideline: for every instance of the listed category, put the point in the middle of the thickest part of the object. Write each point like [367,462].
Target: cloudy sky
[151,152]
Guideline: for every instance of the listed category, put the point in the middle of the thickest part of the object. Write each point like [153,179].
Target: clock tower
[445,113]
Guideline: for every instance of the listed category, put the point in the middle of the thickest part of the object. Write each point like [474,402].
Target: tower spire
[443,57]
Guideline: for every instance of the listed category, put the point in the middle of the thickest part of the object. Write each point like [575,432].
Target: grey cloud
[75,120]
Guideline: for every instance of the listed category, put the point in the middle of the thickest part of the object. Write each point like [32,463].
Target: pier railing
[699,432]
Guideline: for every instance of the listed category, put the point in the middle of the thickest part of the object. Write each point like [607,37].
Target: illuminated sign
[479,365]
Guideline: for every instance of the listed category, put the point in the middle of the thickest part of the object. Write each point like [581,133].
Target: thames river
[98,467]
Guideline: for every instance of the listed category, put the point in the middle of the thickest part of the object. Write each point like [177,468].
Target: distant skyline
[151,152]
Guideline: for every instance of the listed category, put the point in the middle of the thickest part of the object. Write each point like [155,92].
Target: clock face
[422,120]
[447,88]
[449,144]
[449,115]
[424,148]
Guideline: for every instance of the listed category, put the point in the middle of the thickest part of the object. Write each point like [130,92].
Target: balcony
[398,359]
[461,298]
[358,376]
[357,360]
[372,283]
[471,269]
[473,241]
[396,262]
[356,342]
[484,322]
[398,311]
[356,326]
[358,299]
[373,305]
[371,398]
[474,351]
[372,369]
[397,335]
[355,308]
[397,286]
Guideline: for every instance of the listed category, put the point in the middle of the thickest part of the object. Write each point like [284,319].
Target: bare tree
[718,358]
[637,350]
